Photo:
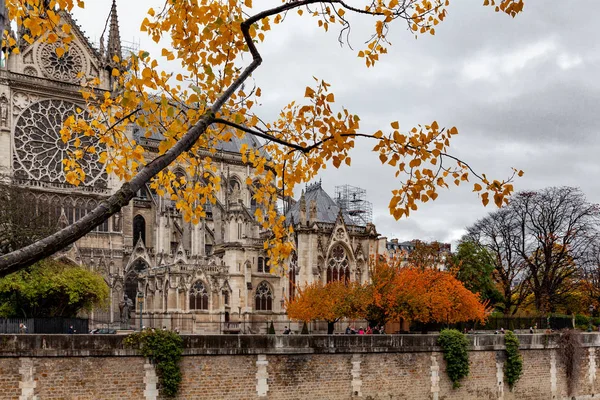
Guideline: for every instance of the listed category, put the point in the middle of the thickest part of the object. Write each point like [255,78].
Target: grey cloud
[523,92]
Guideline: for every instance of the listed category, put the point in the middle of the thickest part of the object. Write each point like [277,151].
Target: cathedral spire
[114,38]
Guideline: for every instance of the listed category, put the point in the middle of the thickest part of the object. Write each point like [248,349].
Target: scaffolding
[352,200]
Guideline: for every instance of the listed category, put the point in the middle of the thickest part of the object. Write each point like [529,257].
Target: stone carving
[3,111]
[22,100]
[39,149]
[125,307]
[63,68]
[30,71]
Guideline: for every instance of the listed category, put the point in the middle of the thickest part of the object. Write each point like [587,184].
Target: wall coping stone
[64,345]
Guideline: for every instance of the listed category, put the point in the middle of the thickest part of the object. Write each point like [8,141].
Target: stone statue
[125,307]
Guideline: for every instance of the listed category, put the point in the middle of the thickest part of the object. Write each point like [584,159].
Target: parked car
[103,331]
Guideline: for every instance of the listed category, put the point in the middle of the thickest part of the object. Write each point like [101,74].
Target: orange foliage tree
[216,44]
[427,255]
[425,295]
[329,303]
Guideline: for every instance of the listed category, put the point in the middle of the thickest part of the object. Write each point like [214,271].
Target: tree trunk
[330,327]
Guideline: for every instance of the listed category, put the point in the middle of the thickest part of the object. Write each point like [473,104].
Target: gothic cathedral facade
[186,276]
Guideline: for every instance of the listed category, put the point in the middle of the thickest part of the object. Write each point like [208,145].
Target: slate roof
[327,209]
[233,146]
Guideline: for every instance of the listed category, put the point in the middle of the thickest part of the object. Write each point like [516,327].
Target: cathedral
[210,277]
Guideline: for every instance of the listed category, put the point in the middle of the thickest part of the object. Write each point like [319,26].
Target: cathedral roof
[233,146]
[327,209]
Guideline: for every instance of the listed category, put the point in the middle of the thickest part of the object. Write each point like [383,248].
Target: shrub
[582,320]
[164,349]
[454,345]
[513,368]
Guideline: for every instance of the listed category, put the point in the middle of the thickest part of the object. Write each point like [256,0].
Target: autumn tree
[216,44]
[383,274]
[431,296]
[330,302]
[428,255]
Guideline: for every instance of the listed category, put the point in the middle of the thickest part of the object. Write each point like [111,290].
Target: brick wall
[89,378]
[9,379]
[278,367]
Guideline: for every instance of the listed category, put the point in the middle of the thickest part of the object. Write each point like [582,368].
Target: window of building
[264,297]
[261,265]
[338,268]
[292,275]
[139,229]
[198,297]
[226,298]
[239,230]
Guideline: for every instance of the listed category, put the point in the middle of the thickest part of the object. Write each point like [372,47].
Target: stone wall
[288,367]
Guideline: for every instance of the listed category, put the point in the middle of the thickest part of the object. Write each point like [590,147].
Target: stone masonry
[287,367]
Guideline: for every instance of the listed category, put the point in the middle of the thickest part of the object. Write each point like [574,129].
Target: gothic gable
[339,232]
[139,253]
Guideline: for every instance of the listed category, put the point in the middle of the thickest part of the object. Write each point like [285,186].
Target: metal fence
[498,323]
[188,324]
[44,325]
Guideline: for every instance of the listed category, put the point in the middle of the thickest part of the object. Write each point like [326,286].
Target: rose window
[63,68]
[39,149]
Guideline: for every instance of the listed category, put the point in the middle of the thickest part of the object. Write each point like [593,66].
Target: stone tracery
[39,149]
[264,297]
[338,267]
[63,68]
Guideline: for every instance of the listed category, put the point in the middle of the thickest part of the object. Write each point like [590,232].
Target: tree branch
[28,255]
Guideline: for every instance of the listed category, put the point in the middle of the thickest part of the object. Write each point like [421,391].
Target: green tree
[51,288]
[473,265]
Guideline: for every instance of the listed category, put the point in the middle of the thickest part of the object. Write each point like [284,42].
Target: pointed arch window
[261,264]
[139,229]
[198,296]
[292,275]
[338,267]
[264,297]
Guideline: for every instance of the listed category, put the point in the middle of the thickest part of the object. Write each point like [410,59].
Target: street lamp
[590,320]
[140,300]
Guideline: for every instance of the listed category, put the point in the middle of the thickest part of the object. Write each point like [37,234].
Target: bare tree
[498,234]
[558,228]
[24,219]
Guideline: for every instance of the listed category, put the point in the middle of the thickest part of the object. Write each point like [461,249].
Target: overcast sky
[523,92]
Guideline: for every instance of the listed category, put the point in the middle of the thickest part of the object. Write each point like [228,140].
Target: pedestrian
[286,331]
[21,328]
[369,331]
[531,329]
[71,330]
[376,330]
[348,330]
[361,331]
[502,331]
[164,328]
